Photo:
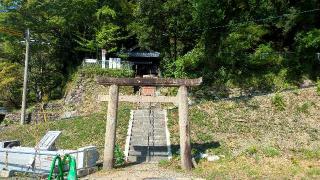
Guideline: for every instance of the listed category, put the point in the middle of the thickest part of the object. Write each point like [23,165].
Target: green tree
[10,84]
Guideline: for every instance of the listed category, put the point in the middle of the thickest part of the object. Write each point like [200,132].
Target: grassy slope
[89,128]
[257,139]
[76,132]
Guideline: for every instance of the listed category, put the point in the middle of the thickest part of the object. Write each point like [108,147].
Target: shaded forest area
[264,45]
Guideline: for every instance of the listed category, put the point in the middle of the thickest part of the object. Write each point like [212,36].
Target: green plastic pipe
[60,168]
[72,174]
[67,159]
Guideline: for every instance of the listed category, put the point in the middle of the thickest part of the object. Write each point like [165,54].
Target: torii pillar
[182,99]
[110,136]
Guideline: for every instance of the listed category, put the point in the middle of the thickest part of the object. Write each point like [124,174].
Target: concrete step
[140,136]
[148,110]
[144,136]
[145,130]
[144,142]
[140,159]
[147,116]
[148,127]
[148,113]
[149,121]
[145,153]
[155,123]
[140,148]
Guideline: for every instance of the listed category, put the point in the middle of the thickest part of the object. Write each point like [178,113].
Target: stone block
[5,173]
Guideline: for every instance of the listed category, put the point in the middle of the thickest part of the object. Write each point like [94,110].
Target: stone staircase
[148,140]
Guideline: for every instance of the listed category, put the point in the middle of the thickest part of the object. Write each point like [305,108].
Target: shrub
[118,156]
[98,71]
[10,84]
[318,87]
[7,122]
[279,102]
[188,65]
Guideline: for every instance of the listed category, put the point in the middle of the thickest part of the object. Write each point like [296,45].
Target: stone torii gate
[113,99]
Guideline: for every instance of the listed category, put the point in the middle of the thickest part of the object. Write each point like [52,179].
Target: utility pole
[25,79]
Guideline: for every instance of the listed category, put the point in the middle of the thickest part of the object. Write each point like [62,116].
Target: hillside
[79,115]
[274,136]
[80,99]
[251,45]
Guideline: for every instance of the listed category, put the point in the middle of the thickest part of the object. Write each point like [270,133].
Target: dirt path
[143,171]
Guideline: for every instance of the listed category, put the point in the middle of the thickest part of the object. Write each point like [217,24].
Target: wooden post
[185,147]
[110,135]
[25,80]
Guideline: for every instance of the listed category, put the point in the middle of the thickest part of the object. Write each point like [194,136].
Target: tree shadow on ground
[197,147]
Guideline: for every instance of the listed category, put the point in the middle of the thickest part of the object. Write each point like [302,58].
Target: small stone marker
[5,173]
[213,158]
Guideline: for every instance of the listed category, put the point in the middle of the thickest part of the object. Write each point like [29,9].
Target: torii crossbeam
[181,99]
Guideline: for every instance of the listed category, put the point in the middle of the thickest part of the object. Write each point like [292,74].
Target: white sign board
[103,55]
[90,61]
[115,63]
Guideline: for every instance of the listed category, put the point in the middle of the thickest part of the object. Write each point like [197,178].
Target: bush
[10,84]
[279,102]
[118,156]
[318,87]
[98,71]
[188,65]
[7,122]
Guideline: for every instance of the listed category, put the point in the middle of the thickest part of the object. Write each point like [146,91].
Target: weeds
[304,108]
[7,122]
[118,156]
[164,163]
[252,150]
[271,152]
[311,154]
[318,86]
[279,102]
[314,171]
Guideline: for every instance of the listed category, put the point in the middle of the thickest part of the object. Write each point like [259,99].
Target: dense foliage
[264,45]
